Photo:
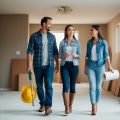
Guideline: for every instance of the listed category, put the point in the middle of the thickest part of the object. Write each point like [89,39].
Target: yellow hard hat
[26,94]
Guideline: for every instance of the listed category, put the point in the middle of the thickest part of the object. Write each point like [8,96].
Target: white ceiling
[84,11]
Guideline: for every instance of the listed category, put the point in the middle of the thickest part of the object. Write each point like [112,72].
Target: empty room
[59,59]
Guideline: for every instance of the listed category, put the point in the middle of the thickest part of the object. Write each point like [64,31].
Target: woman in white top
[96,57]
[69,52]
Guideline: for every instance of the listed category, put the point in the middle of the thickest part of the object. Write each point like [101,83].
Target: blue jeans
[69,74]
[95,77]
[44,74]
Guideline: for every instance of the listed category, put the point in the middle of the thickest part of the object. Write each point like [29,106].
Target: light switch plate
[18,52]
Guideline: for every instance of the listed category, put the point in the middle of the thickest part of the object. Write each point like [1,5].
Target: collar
[73,40]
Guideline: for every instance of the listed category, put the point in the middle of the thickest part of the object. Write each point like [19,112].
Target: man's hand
[29,63]
[56,68]
[30,68]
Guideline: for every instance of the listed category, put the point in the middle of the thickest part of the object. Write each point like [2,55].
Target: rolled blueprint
[111,75]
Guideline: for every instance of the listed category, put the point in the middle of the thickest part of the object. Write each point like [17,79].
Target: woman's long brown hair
[65,32]
[98,28]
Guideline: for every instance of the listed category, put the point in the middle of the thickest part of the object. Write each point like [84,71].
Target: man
[41,52]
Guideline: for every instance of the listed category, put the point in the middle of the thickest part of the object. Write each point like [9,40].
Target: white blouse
[93,53]
[69,51]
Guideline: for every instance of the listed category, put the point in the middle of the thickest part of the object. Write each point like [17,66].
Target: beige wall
[111,30]
[13,36]
[84,35]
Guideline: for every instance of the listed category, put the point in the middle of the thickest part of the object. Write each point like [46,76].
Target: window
[60,36]
[118,37]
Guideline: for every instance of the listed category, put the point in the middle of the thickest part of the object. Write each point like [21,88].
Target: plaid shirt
[35,48]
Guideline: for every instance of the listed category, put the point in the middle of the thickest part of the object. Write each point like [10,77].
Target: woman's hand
[75,55]
[64,55]
[109,65]
[110,68]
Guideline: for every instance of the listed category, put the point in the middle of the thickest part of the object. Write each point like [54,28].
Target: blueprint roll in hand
[108,75]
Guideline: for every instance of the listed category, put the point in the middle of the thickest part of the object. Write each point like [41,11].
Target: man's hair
[45,19]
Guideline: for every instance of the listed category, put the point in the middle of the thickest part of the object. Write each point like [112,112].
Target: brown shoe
[48,110]
[42,108]
[71,99]
[93,113]
[67,110]
[94,109]
[66,102]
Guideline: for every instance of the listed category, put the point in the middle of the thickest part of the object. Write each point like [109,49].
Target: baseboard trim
[7,89]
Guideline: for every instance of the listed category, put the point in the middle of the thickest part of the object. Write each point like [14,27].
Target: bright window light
[60,36]
[118,37]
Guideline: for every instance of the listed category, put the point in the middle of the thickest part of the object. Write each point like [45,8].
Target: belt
[95,62]
[69,62]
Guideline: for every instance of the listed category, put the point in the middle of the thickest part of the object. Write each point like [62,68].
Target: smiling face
[93,32]
[70,31]
[47,25]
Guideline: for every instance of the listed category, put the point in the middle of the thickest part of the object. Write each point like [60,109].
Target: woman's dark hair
[97,27]
[45,19]
[65,32]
